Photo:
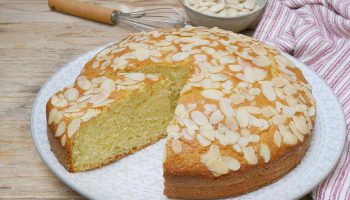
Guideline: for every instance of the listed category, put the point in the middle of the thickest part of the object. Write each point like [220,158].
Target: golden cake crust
[244,117]
[199,184]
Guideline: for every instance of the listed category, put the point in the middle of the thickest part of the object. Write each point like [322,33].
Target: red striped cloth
[317,32]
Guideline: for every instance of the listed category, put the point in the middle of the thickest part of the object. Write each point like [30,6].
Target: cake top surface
[242,102]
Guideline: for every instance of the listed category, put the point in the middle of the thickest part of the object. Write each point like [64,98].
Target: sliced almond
[300,124]
[282,61]
[218,77]
[204,142]
[176,146]
[226,108]
[180,56]
[73,127]
[268,91]
[141,54]
[108,85]
[99,98]
[262,61]
[217,167]
[199,118]
[60,129]
[259,49]
[216,117]
[265,152]
[277,138]
[232,163]
[190,124]
[237,98]
[212,94]
[90,113]
[249,155]
[71,94]
[242,117]
[135,76]
[231,137]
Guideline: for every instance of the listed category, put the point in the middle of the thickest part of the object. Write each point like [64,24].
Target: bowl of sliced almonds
[233,15]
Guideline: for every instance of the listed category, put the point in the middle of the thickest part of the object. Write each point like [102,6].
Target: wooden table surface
[34,43]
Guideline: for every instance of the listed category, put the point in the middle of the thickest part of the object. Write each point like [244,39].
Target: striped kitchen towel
[317,32]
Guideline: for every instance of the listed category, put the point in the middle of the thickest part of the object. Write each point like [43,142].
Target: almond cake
[237,115]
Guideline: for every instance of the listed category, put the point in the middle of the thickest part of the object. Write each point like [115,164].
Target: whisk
[143,20]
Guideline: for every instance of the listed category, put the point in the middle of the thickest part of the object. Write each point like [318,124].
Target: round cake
[237,115]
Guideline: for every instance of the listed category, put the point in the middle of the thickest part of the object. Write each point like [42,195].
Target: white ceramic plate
[139,176]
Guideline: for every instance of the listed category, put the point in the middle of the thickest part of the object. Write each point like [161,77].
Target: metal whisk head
[151,19]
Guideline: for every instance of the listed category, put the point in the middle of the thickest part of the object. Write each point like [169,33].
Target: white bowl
[235,24]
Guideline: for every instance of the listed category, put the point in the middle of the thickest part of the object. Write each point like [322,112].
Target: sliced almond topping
[231,137]
[254,138]
[73,127]
[95,64]
[212,94]
[277,138]
[180,110]
[57,102]
[282,61]
[237,98]
[135,76]
[152,77]
[199,118]
[262,61]
[108,85]
[217,167]
[289,90]
[254,91]
[237,148]
[235,68]
[253,109]
[176,146]
[190,124]
[242,117]
[84,84]
[196,78]
[226,60]
[210,107]
[226,108]
[232,163]
[99,98]
[278,119]
[60,129]
[200,57]
[279,81]
[268,111]
[265,152]
[215,69]
[180,56]
[311,111]
[218,77]
[141,54]
[216,117]
[296,132]
[287,136]
[249,155]
[268,91]
[163,43]
[90,113]
[207,132]
[71,94]
[259,49]
[204,142]
[227,85]
[63,140]
[300,124]
[52,116]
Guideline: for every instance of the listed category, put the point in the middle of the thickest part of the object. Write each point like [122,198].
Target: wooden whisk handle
[84,10]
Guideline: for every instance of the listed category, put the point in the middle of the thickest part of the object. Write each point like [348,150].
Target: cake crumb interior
[129,124]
